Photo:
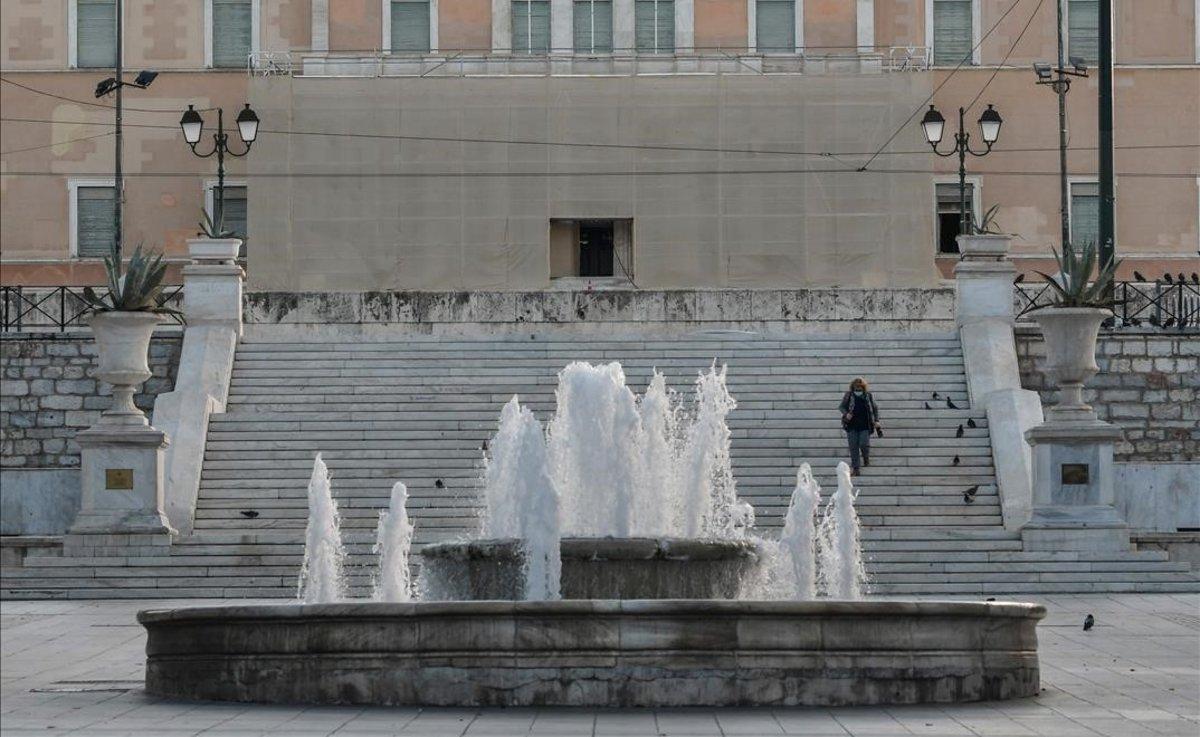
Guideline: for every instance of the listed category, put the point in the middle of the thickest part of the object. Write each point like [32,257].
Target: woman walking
[860,417]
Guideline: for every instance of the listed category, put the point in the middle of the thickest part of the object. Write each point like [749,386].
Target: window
[654,26]
[1085,213]
[232,32]
[593,26]
[94,228]
[949,214]
[96,33]
[775,25]
[531,26]
[591,249]
[1083,29]
[410,26]
[235,209]
[953,39]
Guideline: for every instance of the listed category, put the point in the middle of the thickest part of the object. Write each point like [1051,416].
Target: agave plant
[139,289]
[987,224]
[210,228]
[1073,287]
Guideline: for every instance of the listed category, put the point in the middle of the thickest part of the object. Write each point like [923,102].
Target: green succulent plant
[138,289]
[1073,287]
[214,229]
[987,224]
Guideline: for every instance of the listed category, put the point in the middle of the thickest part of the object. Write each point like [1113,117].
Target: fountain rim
[597,547]
[574,607]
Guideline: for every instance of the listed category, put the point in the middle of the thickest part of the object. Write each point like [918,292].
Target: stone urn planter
[983,246]
[123,344]
[1070,338]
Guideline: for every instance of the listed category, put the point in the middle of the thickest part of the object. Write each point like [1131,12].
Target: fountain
[615,566]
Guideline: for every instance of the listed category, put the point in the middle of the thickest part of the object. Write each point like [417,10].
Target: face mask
[858,392]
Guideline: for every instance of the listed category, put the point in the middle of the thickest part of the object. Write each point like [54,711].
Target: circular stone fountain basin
[596,653]
[594,568]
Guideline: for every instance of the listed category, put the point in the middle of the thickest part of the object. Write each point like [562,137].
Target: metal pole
[219,207]
[118,178]
[1061,88]
[1108,234]
[961,140]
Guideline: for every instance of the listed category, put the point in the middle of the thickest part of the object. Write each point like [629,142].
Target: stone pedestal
[1073,490]
[983,312]
[122,480]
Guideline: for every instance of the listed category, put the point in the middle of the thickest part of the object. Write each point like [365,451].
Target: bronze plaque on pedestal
[118,478]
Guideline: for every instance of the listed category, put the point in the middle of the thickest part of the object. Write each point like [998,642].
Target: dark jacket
[865,413]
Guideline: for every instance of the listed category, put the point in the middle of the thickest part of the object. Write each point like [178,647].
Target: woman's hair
[860,381]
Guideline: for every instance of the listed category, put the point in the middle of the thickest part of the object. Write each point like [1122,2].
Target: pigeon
[969,494]
[1088,622]
[1138,275]
[1168,322]
[1020,278]
[991,598]
[1195,278]
[959,432]
[439,484]
[936,395]
[927,406]
[951,404]
[249,513]
[1167,279]
[956,460]
[971,423]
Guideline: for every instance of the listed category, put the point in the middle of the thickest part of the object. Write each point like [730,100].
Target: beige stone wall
[1154,106]
[406,217]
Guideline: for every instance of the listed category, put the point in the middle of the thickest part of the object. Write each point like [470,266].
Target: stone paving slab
[75,667]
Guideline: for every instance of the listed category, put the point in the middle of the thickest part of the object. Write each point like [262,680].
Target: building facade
[461,144]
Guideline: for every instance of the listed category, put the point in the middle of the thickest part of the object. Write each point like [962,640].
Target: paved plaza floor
[76,668]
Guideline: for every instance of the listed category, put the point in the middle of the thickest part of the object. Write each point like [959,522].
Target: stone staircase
[417,409]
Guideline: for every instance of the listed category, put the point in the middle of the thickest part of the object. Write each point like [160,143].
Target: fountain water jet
[796,562]
[322,578]
[392,543]
[842,573]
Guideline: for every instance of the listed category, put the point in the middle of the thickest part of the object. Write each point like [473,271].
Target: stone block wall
[1149,383]
[49,393]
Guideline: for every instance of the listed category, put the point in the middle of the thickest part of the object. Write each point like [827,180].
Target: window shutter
[1083,29]
[775,25]
[593,26]
[231,30]
[95,229]
[235,211]
[531,27]
[952,36]
[96,33]
[1085,213]
[410,26]
[654,26]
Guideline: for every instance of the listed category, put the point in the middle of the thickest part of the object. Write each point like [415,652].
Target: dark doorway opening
[596,248]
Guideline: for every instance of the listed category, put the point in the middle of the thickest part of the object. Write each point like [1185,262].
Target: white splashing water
[709,492]
[660,457]
[627,466]
[842,573]
[322,578]
[797,542]
[521,500]
[595,442]
[393,541]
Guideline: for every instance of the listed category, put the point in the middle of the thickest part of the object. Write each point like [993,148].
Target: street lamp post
[933,124]
[192,125]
